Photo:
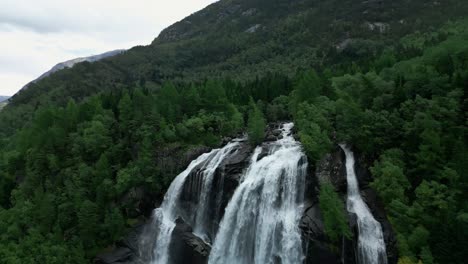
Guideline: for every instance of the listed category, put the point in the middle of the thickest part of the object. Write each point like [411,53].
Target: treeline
[64,174]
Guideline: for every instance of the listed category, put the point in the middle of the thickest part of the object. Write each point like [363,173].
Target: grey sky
[37,34]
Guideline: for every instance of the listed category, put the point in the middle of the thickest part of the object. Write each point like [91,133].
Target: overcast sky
[37,34]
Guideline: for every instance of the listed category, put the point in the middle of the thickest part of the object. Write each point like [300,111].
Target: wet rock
[277,132]
[226,179]
[317,249]
[262,154]
[186,247]
[226,140]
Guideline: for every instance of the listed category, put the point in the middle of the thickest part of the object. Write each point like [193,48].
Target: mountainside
[71,63]
[3,101]
[252,125]
[244,39]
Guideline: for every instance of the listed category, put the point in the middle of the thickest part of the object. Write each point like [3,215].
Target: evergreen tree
[256,124]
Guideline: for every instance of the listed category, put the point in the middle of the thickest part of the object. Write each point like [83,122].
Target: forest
[65,167]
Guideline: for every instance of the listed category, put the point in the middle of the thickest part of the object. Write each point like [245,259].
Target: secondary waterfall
[260,224]
[371,245]
[164,217]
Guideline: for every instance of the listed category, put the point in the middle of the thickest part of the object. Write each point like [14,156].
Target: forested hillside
[75,147]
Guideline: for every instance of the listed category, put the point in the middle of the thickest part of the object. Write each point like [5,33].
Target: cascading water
[260,224]
[165,216]
[371,245]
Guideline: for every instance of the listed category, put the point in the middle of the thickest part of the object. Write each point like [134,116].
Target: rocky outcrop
[316,244]
[226,179]
[317,247]
[186,247]
[332,168]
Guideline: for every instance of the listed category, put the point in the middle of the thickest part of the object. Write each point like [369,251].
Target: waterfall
[371,245]
[164,217]
[260,224]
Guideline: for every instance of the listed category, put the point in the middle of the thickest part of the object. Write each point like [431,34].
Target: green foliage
[334,213]
[389,178]
[314,128]
[256,124]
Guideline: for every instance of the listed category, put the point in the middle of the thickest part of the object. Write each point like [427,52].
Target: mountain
[244,39]
[3,101]
[71,63]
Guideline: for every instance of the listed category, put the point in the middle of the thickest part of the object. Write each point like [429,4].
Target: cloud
[36,35]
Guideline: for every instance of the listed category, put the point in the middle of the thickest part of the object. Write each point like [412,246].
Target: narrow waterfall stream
[371,245]
[165,216]
[260,224]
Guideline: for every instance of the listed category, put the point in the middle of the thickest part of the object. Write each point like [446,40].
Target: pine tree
[256,124]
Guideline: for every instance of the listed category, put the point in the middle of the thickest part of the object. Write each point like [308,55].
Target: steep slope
[244,39]
[3,101]
[71,63]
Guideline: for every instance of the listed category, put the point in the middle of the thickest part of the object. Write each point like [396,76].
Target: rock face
[315,241]
[316,244]
[187,247]
[332,169]
[226,179]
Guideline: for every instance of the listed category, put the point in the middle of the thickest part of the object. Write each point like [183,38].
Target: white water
[371,245]
[260,224]
[165,216]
